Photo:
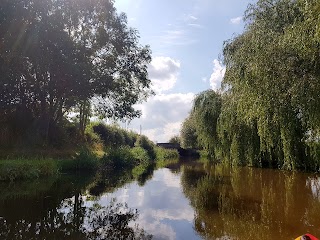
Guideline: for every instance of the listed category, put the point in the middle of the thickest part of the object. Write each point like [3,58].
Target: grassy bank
[22,168]
[137,158]
[131,152]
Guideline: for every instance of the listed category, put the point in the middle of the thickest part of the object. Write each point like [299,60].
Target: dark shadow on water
[57,208]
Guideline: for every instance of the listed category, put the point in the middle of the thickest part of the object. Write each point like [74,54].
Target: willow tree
[188,133]
[273,78]
[206,111]
[57,55]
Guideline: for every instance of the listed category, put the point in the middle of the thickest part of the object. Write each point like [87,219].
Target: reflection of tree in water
[73,220]
[109,181]
[60,211]
[247,203]
[146,175]
[113,222]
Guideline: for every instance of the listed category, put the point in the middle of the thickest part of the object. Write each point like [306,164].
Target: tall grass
[22,169]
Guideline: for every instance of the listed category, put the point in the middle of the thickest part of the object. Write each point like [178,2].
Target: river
[186,200]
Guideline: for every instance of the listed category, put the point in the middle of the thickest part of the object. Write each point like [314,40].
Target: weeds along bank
[106,147]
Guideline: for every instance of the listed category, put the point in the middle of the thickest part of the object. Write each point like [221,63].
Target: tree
[188,134]
[58,55]
[175,140]
[269,70]
[206,111]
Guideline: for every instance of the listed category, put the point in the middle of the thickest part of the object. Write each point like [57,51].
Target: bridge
[189,152]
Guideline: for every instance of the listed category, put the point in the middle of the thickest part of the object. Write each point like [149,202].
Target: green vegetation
[175,140]
[62,63]
[119,158]
[166,154]
[188,133]
[84,160]
[141,155]
[267,113]
[113,135]
[122,156]
[19,169]
[146,144]
[62,57]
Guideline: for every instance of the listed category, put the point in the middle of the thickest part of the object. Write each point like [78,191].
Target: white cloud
[163,72]
[236,20]
[162,115]
[217,75]
[191,17]
[195,25]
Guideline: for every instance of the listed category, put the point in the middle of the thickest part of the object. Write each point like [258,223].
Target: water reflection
[247,203]
[164,212]
[61,208]
[190,200]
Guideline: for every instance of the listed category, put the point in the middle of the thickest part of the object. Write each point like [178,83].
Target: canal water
[190,200]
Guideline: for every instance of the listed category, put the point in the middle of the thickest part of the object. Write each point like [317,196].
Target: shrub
[165,154]
[84,160]
[114,136]
[119,158]
[93,139]
[146,144]
[140,155]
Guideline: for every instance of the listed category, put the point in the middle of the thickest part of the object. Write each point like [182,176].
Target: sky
[186,39]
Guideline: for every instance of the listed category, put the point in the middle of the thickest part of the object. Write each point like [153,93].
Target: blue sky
[186,39]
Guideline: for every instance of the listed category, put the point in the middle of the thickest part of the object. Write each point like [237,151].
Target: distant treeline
[268,110]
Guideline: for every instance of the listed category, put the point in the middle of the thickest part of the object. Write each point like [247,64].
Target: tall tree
[56,55]
[188,133]
[206,111]
[269,78]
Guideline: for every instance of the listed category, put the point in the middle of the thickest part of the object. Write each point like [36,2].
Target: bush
[114,136]
[119,158]
[140,155]
[146,144]
[93,139]
[84,160]
[166,154]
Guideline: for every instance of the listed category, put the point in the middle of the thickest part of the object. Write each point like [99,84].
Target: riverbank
[102,147]
[17,166]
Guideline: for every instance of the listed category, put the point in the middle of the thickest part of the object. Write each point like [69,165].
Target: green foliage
[268,111]
[175,140]
[84,160]
[146,144]
[166,154]
[58,57]
[24,169]
[119,158]
[139,170]
[271,94]
[206,111]
[126,157]
[188,133]
[93,139]
[114,136]
[140,155]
